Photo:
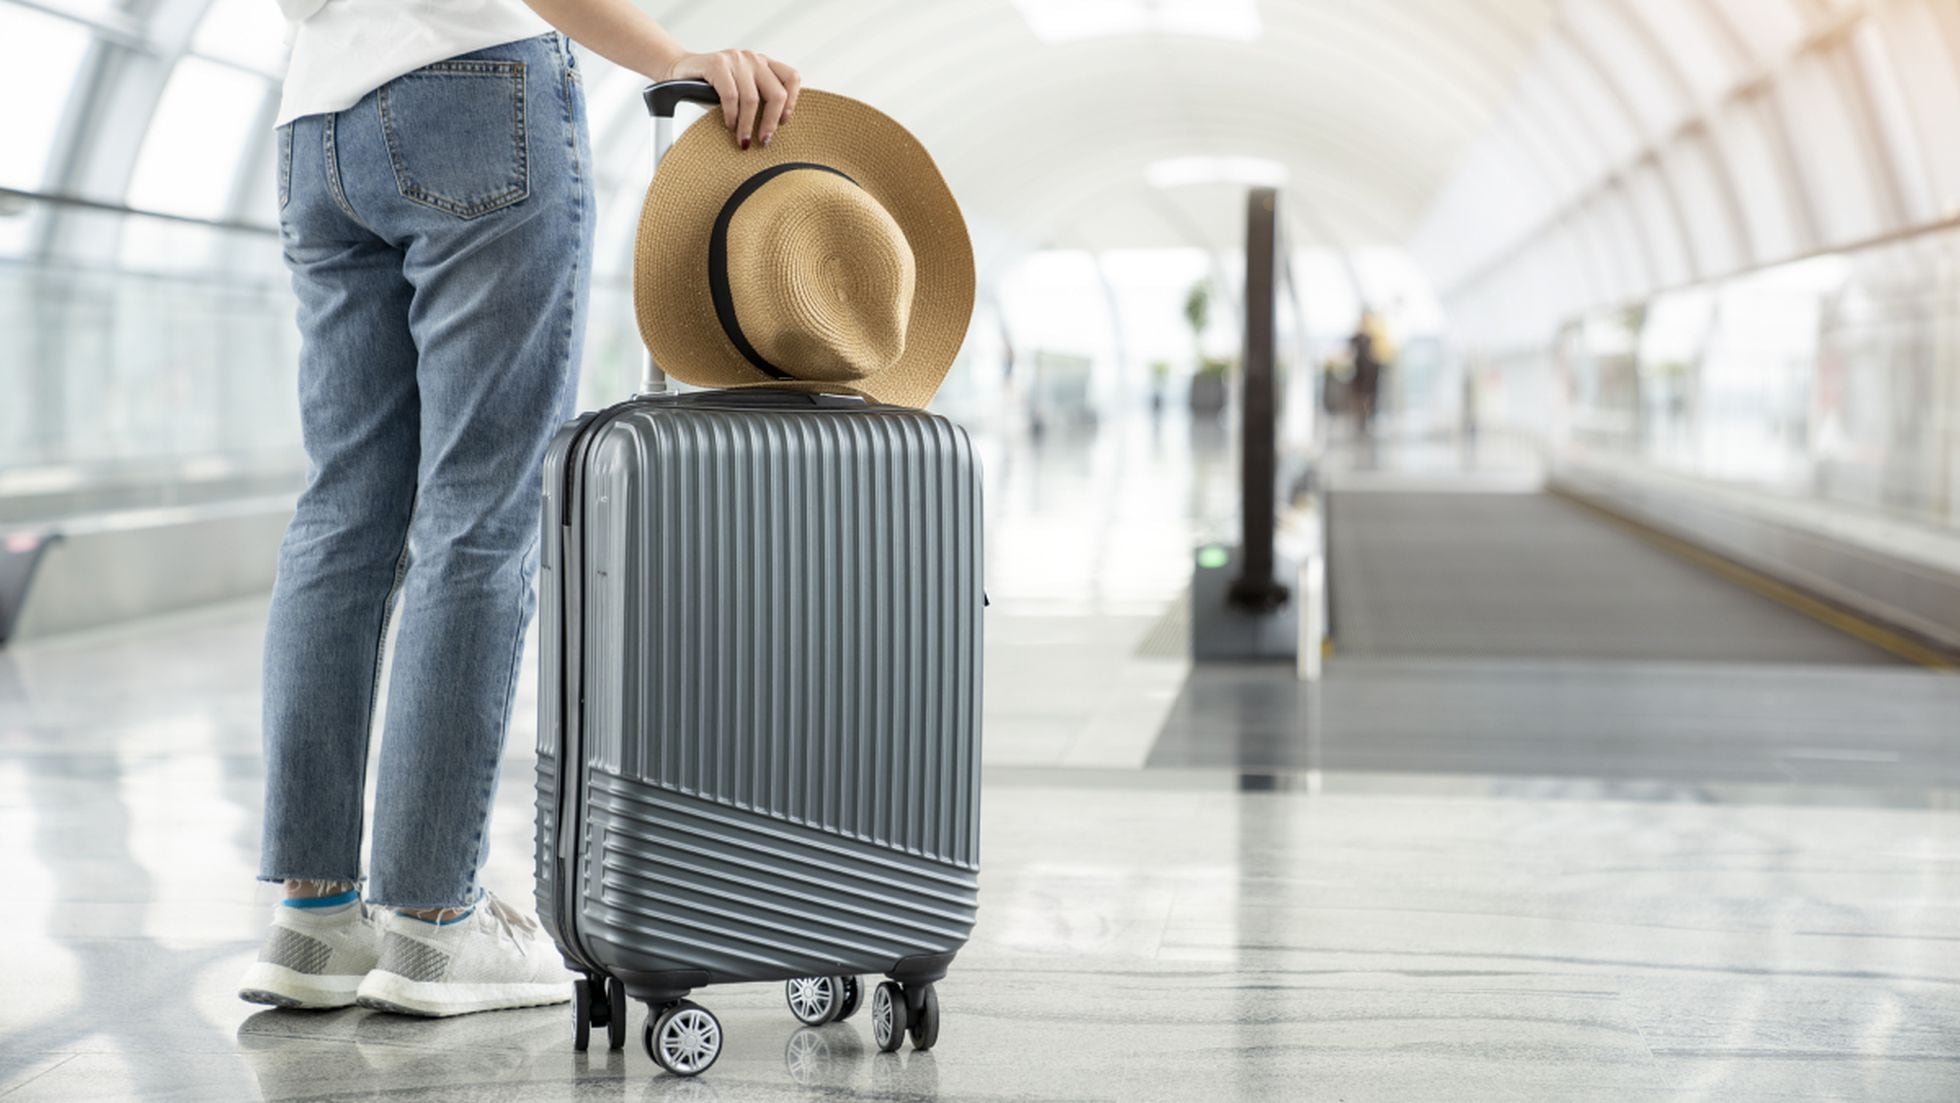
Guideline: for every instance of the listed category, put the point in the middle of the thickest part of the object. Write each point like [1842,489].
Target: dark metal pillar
[1258,587]
[1240,610]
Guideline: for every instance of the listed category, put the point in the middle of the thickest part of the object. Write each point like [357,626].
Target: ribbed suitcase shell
[766,611]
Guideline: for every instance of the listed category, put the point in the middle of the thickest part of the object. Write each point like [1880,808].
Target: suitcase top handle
[767,398]
[662,97]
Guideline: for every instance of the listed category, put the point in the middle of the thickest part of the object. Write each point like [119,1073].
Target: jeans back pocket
[455,134]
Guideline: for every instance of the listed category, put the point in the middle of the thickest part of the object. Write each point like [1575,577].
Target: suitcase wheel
[582,1012]
[684,1038]
[616,1014]
[819,1000]
[853,996]
[922,1017]
[898,1010]
[888,1016]
[598,1001]
[813,1000]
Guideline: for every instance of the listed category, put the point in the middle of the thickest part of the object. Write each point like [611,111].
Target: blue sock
[324,905]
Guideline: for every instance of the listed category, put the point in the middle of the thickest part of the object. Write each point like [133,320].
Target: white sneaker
[313,960]
[495,957]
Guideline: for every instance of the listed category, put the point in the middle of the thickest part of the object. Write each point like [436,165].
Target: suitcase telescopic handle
[661,97]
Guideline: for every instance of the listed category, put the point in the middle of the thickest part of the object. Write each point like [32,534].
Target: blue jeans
[439,234]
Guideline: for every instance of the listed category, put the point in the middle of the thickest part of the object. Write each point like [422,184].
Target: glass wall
[1831,378]
[177,364]
[1754,280]
[45,53]
[147,348]
[114,374]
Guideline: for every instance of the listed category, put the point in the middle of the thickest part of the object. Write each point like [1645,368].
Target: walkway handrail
[106,206]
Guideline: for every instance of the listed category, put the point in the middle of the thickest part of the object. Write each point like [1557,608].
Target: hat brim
[670,259]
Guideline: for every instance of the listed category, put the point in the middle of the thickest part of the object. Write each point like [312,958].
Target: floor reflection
[296,1055]
[299,1055]
[837,1058]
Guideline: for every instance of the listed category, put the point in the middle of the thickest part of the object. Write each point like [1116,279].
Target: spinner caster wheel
[889,1016]
[853,996]
[814,1000]
[583,1006]
[684,1039]
[923,1016]
[597,1002]
[615,1014]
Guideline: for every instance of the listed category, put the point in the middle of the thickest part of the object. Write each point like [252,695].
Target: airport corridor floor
[1145,934]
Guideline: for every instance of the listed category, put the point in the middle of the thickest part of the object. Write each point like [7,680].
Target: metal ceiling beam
[1724,172]
[111,109]
[1609,79]
[1855,79]
[1810,222]
[1748,91]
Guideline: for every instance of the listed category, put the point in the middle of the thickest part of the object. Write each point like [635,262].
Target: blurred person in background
[436,212]
[1371,352]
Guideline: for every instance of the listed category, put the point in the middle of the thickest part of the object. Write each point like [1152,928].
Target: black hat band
[718,262]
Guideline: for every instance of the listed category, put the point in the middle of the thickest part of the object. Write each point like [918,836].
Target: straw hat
[833,260]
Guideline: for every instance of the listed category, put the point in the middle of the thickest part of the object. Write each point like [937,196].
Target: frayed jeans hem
[282,878]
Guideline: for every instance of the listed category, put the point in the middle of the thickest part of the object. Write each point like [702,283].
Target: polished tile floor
[1381,932]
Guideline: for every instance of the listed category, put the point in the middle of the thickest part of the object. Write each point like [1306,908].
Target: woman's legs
[344,549]
[440,238]
[477,169]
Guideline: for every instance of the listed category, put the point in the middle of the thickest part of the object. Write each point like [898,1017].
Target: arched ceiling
[1366,104]
[1543,152]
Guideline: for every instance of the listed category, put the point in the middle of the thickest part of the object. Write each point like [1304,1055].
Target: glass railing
[169,374]
[108,369]
[144,360]
[1835,378]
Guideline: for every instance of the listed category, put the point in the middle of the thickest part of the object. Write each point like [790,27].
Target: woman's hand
[757,93]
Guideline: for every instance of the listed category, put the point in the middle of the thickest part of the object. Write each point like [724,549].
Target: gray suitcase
[758,733]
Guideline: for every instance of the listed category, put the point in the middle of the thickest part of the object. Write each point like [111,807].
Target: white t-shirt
[344,49]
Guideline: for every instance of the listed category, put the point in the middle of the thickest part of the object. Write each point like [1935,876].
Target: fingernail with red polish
[745,143]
